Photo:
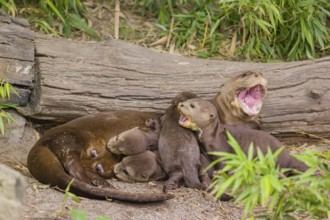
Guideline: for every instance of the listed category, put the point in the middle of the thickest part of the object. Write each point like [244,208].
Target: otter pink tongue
[182,119]
[251,98]
[256,92]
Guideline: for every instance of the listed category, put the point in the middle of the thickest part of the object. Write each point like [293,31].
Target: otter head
[122,142]
[141,167]
[196,113]
[243,95]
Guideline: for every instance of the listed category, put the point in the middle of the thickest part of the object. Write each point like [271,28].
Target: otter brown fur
[201,115]
[239,100]
[48,162]
[179,150]
[67,151]
[136,140]
[141,167]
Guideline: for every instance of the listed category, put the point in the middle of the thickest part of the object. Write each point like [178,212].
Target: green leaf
[266,189]
[75,21]
[264,25]
[250,152]
[233,143]
[2,126]
[55,10]
[78,214]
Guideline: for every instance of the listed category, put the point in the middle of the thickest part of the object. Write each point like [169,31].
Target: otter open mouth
[184,121]
[250,99]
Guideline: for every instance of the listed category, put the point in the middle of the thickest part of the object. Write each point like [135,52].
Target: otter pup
[136,140]
[201,116]
[179,150]
[141,167]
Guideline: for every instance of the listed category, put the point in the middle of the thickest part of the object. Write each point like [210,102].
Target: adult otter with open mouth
[201,116]
[240,98]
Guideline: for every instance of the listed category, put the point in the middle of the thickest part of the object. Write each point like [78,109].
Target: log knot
[317,93]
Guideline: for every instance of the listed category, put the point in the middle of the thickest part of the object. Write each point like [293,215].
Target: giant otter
[83,140]
[201,116]
[239,100]
[70,150]
[136,140]
[141,167]
[179,150]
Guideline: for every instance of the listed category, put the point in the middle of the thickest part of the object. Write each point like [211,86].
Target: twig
[170,33]
[205,33]
[117,11]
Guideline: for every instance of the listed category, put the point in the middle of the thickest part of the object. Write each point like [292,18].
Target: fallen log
[73,78]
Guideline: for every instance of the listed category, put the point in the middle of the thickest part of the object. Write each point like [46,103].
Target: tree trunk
[76,78]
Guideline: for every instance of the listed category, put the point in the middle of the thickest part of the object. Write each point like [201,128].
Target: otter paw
[170,186]
[205,180]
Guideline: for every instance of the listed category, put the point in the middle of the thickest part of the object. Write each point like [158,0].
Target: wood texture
[77,78]
[17,56]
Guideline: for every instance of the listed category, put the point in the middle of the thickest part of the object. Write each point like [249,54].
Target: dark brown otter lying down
[201,116]
[179,150]
[77,150]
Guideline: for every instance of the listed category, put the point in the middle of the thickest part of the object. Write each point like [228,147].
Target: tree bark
[76,78]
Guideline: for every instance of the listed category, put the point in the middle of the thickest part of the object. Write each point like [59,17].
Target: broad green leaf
[78,214]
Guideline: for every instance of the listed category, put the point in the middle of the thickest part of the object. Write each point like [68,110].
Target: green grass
[5,117]
[55,17]
[265,30]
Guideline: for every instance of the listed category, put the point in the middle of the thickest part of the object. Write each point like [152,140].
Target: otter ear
[212,115]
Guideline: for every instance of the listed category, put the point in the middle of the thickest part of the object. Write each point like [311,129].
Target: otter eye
[212,115]
[125,171]
[144,176]
[192,105]
[244,75]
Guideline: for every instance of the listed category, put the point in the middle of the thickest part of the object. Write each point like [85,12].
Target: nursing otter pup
[141,167]
[239,100]
[77,150]
[136,140]
[179,150]
[201,116]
